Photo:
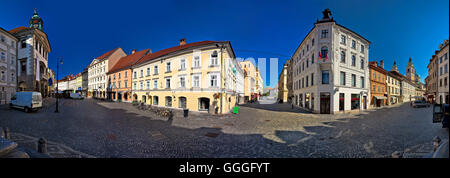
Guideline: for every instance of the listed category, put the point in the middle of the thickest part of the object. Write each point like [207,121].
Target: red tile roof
[18,29]
[163,52]
[107,54]
[128,61]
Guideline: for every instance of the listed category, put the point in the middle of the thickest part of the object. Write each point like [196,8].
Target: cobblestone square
[95,128]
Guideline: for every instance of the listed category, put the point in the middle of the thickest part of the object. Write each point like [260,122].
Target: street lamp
[57,77]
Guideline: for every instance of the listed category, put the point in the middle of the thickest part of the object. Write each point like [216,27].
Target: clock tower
[36,21]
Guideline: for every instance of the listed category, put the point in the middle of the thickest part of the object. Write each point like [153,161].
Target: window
[353,44]
[134,86]
[342,78]
[148,85]
[362,63]
[168,69]
[342,39]
[196,81]
[196,61]
[362,82]
[126,74]
[312,42]
[23,44]
[362,48]
[3,56]
[214,60]
[213,81]
[182,82]
[155,84]
[119,75]
[342,56]
[141,85]
[374,88]
[312,58]
[324,52]
[134,74]
[307,63]
[182,64]
[325,77]
[148,71]
[312,79]
[167,82]
[307,81]
[353,80]
[445,69]
[155,100]
[353,60]
[445,81]
[324,34]
[440,71]
[142,73]
[125,82]
[114,76]
[155,70]
[168,101]
[355,101]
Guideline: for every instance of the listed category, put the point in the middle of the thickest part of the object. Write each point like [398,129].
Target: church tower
[394,67]
[36,21]
[410,71]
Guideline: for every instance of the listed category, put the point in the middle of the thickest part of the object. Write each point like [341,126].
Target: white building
[408,90]
[8,69]
[239,81]
[33,50]
[330,69]
[63,85]
[443,65]
[97,78]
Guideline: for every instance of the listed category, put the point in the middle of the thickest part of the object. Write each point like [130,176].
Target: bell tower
[410,71]
[36,21]
[394,67]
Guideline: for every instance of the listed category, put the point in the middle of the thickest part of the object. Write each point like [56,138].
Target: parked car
[441,114]
[420,104]
[76,96]
[28,101]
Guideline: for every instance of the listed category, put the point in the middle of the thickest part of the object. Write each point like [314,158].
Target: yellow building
[282,84]
[250,78]
[188,76]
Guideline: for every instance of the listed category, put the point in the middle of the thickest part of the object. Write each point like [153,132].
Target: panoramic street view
[224,79]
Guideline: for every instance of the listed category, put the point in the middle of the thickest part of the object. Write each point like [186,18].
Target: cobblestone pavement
[109,129]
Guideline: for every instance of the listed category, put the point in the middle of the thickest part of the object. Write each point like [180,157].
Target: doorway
[324,103]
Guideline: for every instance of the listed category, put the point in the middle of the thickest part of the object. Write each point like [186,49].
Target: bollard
[436,142]
[42,146]
[7,135]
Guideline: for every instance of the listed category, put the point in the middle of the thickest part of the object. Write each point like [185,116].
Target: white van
[28,101]
[76,96]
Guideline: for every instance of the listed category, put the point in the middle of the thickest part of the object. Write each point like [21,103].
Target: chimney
[133,51]
[183,41]
[382,64]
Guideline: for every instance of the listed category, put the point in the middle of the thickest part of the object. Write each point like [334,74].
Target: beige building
[443,78]
[393,88]
[282,84]
[97,72]
[200,76]
[431,81]
[250,78]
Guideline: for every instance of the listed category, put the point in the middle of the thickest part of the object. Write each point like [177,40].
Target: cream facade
[330,69]
[250,77]
[8,69]
[393,89]
[97,72]
[188,76]
[443,78]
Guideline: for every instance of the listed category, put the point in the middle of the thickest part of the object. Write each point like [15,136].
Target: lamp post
[57,76]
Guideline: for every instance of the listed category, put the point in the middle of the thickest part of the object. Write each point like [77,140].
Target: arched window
[343,56]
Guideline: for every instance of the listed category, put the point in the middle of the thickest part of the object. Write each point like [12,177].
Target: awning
[380,97]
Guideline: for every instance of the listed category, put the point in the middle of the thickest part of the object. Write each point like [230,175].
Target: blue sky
[81,30]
